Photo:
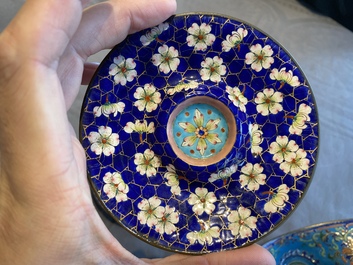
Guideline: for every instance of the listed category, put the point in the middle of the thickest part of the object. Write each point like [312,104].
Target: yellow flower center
[201,132]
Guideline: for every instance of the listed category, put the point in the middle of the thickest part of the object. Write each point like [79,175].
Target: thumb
[251,255]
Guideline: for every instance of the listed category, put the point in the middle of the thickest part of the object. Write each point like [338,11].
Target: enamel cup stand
[201,134]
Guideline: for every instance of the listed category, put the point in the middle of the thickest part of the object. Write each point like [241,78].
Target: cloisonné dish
[201,134]
[326,243]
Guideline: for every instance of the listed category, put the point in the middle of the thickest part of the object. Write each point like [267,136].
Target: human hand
[46,212]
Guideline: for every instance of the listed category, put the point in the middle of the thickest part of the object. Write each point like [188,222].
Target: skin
[46,212]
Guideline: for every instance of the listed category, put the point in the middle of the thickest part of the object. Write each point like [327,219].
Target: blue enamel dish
[201,134]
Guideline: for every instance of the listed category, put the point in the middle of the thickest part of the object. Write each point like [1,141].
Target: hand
[46,212]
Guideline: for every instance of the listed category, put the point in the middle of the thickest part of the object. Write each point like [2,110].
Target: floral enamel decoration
[269,102]
[282,148]
[295,163]
[205,191]
[150,210]
[202,201]
[277,199]
[123,70]
[115,187]
[204,236]
[284,77]
[241,222]
[237,97]
[200,133]
[162,219]
[166,220]
[104,141]
[184,85]
[259,57]
[223,174]
[173,179]
[300,120]
[147,98]
[153,34]
[200,36]
[147,163]
[252,177]
[166,58]
[256,139]
[109,108]
[140,127]
[212,69]
[234,39]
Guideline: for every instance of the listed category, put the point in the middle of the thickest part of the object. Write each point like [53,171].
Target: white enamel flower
[140,127]
[282,148]
[204,236]
[147,163]
[103,141]
[285,77]
[259,57]
[300,119]
[173,179]
[109,108]
[278,199]
[200,36]
[153,34]
[115,187]
[223,174]
[237,97]
[234,40]
[123,70]
[166,219]
[183,85]
[202,201]
[255,139]
[252,176]
[241,222]
[295,163]
[269,101]
[150,210]
[212,69]
[147,98]
[167,59]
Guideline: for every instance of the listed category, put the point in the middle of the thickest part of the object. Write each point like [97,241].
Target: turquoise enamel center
[200,131]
